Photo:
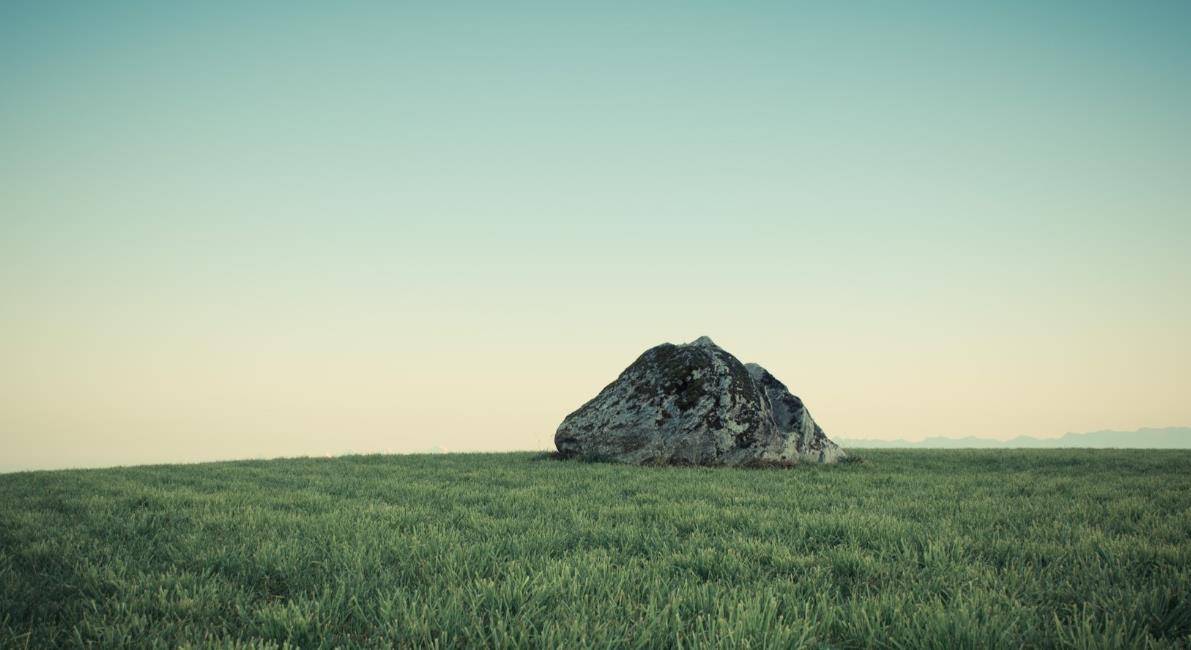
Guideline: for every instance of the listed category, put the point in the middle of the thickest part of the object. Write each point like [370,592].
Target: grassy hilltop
[916,549]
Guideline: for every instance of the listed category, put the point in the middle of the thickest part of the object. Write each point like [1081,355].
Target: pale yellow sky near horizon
[232,232]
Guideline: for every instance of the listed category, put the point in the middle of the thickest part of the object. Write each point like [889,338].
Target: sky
[242,230]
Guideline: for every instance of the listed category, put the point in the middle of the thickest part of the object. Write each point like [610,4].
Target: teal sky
[279,230]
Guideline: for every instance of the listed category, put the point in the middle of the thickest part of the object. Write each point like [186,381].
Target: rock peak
[704,342]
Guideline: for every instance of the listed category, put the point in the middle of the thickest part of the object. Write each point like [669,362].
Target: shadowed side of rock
[802,437]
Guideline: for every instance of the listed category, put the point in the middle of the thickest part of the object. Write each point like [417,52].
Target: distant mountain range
[1167,438]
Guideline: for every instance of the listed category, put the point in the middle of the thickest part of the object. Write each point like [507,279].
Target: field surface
[907,549]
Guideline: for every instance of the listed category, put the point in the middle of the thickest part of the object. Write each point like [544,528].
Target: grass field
[909,549]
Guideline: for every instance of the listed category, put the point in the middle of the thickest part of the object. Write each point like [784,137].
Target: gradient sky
[295,229]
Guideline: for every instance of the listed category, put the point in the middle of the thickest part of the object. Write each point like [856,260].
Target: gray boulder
[695,404]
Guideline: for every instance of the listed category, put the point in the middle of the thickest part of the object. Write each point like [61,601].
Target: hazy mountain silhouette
[1165,438]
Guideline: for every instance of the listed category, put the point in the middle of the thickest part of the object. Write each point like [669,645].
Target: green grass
[908,549]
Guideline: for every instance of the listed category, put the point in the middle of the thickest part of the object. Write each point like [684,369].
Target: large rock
[695,404]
